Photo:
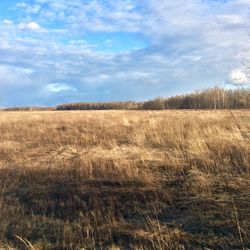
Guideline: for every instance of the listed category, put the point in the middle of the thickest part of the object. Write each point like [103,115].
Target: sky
[57,51]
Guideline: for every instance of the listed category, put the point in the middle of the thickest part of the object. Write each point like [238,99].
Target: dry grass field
[125,180]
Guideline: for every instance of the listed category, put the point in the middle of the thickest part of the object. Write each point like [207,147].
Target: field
[125,180]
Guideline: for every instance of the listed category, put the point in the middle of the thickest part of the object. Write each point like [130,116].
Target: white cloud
[4,44]
[7,22]
[29,8]
[29,71]
[59,87]
[231,19]
[34,9]
[191,45]
[13,75]
[21,5]
[238,77]
[31,26]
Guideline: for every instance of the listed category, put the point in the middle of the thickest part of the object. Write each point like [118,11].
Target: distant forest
[212,98]
[35,108]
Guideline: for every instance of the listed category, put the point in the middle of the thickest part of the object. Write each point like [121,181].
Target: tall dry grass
[124,180]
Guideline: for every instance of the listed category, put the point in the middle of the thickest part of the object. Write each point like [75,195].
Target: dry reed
[124,180]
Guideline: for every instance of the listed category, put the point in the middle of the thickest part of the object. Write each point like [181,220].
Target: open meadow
[176,179]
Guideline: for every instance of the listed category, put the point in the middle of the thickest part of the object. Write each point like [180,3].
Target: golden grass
[124,180]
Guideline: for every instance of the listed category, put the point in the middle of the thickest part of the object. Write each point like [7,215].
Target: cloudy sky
[57,51]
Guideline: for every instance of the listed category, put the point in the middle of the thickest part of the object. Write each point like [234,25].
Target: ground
[125,179]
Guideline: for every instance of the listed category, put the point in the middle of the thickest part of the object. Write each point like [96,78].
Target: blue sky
[57,51]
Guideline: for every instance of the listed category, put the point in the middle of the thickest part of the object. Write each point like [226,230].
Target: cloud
[59,87]
[238,77]
[187,45]
[31,26]
[29,8]
[7,22]
[21,5]
[231,19]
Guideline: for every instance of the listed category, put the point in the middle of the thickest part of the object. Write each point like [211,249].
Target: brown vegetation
[28,109]
[124,180]
[213,98]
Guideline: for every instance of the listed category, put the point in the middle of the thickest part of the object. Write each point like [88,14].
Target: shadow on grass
[58,209]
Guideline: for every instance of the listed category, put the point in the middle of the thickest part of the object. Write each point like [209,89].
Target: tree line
[101,106]
[211,98]
[28,109]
